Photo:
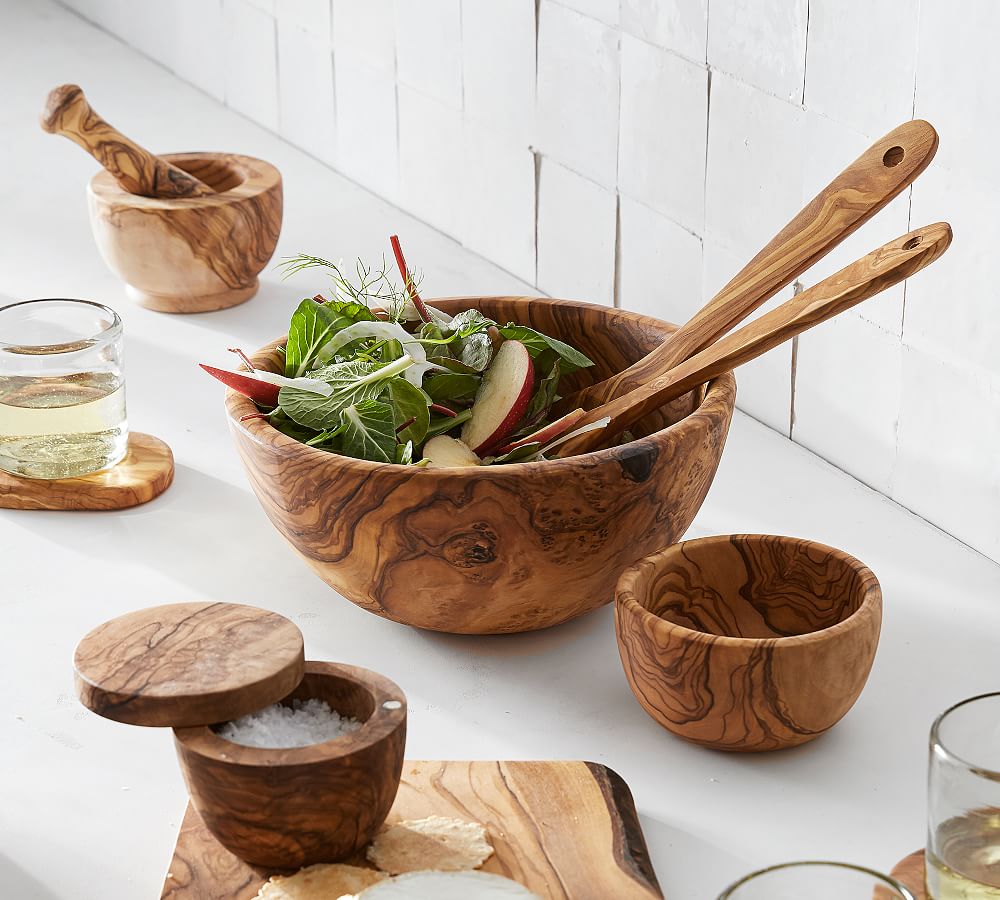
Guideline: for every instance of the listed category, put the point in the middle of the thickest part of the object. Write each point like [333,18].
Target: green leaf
[432,332]
[443,424]
[456,365]
[404,453]
[537,343]
[477,351]
[369,431]
[312,325]
[452,389]
[352,382]
[519,454]
[408,402]
[542,400]
[470,322]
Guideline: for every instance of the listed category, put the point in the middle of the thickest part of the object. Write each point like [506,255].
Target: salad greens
[375,373]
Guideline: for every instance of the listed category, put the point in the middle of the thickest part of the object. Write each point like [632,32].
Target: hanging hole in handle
[913,242]
[892,157]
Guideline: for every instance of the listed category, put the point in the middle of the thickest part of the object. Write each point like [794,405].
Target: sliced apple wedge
[502,399]
[547,433]
[448,453]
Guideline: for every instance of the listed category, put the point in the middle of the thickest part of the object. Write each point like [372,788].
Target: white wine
[965,861]
[61,426]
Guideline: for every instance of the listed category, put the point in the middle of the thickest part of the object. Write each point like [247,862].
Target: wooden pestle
[67,112]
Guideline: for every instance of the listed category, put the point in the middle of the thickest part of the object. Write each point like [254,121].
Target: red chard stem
[411,288]
[243,358]
[438,408]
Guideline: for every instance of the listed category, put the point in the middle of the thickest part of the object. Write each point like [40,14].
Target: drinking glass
[816,881]
[62,388]
[963,802]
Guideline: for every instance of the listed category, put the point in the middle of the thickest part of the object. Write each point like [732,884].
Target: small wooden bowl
[194,254]
[498,549]
[748,642]
[295,807]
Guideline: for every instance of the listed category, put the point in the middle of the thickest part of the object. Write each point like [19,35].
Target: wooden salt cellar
[192,665]
[145,472]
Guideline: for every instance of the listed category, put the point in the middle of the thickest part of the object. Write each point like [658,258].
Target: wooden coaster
[565,830]
[145,472]
[910,872]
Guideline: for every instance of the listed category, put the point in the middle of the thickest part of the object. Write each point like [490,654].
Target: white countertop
[90,809]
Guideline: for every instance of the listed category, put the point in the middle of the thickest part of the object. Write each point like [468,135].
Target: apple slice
[246,384]
[446,452]
[502,398]
[545,434]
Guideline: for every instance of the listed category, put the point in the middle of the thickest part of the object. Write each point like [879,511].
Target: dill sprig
[366,286]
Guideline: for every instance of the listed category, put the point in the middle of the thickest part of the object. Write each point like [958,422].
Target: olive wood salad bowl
[496,549]
[293,807]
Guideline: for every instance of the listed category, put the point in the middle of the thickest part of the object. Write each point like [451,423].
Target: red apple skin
[543,435]
[518,407]
[259,391]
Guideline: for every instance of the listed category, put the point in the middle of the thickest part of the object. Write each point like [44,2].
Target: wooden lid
[188,664]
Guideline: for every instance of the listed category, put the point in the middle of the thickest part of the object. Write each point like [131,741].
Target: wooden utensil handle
[67,112]
[868,276]
[853,197]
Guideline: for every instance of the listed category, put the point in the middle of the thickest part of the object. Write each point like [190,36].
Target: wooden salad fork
[877,176]
[864,278]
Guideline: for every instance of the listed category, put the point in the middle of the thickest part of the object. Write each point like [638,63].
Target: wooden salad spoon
[864,278]
[68,112]
[854,196]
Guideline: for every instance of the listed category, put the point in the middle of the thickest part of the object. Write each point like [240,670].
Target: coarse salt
[279,727]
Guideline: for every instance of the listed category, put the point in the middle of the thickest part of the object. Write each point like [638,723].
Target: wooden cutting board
[566,830]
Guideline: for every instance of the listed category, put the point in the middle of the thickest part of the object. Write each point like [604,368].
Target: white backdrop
[638,152]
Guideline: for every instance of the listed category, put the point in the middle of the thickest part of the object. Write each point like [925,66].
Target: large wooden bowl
[194,254]
[748,642]
[304,805]
[502,549]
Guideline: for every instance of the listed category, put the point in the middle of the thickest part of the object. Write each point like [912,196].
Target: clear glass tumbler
[62,388]
[963,802]
[816,881]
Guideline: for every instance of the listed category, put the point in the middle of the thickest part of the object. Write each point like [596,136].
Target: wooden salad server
[864,278]
[877,176]
[67,112]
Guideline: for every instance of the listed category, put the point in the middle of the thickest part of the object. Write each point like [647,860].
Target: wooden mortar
[505,548]
[191,254]
[748,642]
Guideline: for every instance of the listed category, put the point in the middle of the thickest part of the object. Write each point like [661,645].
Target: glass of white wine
[963,802]
[817,880]
[62,388]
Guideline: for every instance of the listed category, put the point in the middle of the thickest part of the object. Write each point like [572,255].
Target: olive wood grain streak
[67,112]
[868,276]
[851,199]
[505,548]
[145,472]
[748,642]
[319,803]
[196,254]
[566,830]
[188,663]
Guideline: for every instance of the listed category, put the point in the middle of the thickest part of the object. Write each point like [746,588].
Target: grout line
[537,157]
[805,53]
[797,288]
[616,295]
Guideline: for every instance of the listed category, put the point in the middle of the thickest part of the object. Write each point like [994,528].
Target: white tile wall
[498,65]
[576,236]
[578,85]
[663,131]
[566,141]
[660,265]
[761,42]
[678,25]
[307,114]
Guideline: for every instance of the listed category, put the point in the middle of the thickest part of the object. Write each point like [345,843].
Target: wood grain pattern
[188,664]
[500,549]
[195,254]
[748,642]
[304,805]
[145,472]
[881,269]
[910,873]
[566,830]
[68,112]
[850,200]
